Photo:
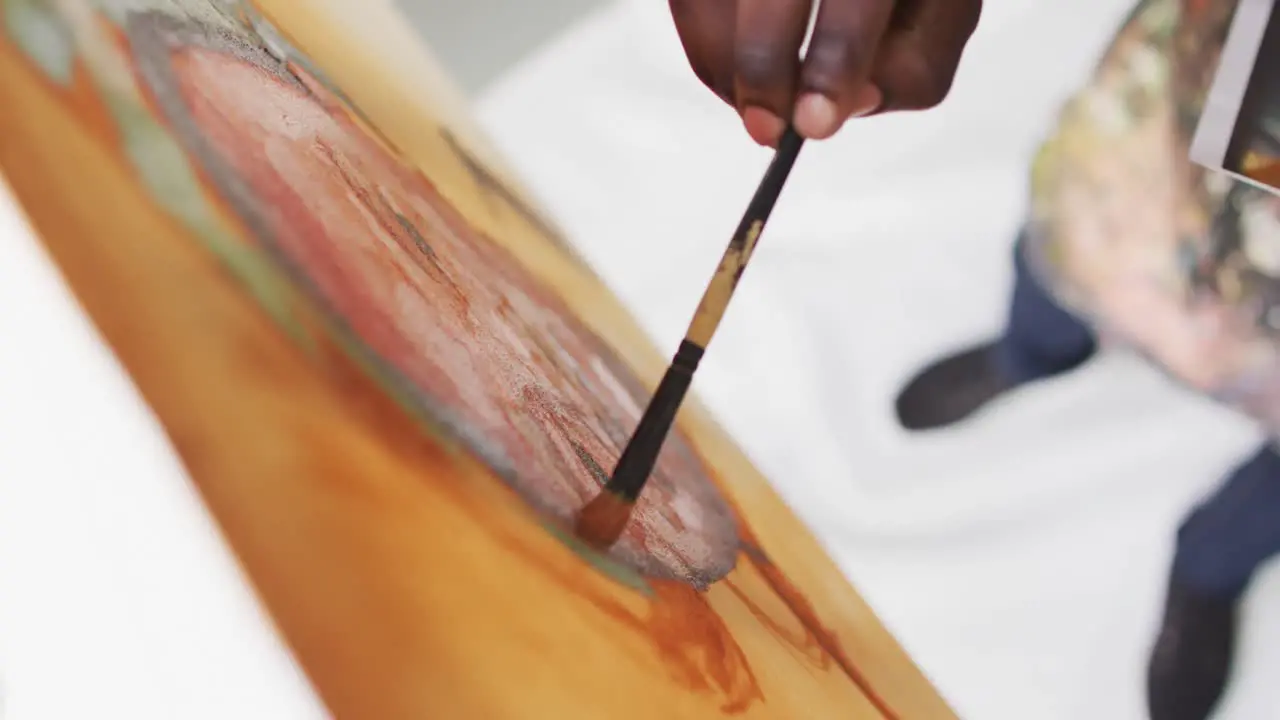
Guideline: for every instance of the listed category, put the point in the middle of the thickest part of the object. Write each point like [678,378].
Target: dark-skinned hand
[864,57]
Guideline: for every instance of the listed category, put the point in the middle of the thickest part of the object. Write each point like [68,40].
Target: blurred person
[1128,241]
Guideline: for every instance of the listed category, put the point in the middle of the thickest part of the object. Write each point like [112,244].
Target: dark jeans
[1227,537]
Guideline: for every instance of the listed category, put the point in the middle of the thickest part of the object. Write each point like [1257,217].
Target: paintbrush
[602,520]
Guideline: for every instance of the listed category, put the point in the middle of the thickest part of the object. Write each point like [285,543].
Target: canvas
[394,386]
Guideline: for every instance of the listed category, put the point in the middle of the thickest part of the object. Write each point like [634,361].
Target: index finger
[706,30]
[767,58]
[918,59]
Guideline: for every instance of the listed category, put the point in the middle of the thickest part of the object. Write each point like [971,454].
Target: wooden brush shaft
[715,300]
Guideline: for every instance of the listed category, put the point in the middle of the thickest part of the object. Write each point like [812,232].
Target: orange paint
[1267,172]
[805,613]
[690,641]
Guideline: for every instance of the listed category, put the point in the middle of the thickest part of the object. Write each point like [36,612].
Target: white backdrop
[1019,558]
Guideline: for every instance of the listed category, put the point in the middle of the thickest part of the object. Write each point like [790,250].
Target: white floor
[1019,558]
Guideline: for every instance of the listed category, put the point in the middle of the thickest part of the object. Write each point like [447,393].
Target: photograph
[1239,130]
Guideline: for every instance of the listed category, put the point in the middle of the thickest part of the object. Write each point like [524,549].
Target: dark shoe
[952,389]
[1191,660]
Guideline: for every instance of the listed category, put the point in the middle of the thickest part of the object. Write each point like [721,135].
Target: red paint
[460,319]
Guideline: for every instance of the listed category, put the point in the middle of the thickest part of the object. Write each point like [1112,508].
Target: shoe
[952,389]
[1191,661]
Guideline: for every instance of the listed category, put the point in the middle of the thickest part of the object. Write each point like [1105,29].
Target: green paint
[390,382]
[597,473]
[613,569]
[160,162]
[166,172]
[418,240]
[35,28]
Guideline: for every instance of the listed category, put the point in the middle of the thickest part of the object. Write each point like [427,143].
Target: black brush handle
[641,453]
[775,178]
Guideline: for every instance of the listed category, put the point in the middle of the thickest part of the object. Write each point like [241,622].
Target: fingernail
[816,117]
[763,126]
[867,100]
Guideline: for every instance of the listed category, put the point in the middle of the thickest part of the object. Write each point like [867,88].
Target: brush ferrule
[687,357]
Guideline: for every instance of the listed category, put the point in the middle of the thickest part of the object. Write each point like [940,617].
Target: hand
[865,57]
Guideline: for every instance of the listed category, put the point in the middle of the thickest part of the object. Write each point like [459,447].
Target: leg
[1220,546]
[1224,540]
[1040,339]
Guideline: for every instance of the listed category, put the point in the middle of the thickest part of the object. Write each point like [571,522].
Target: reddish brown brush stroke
[804,611]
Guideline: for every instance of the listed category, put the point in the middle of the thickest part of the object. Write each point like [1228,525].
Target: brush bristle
[602,520]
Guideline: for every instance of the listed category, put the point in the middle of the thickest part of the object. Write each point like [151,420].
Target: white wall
[478,39]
